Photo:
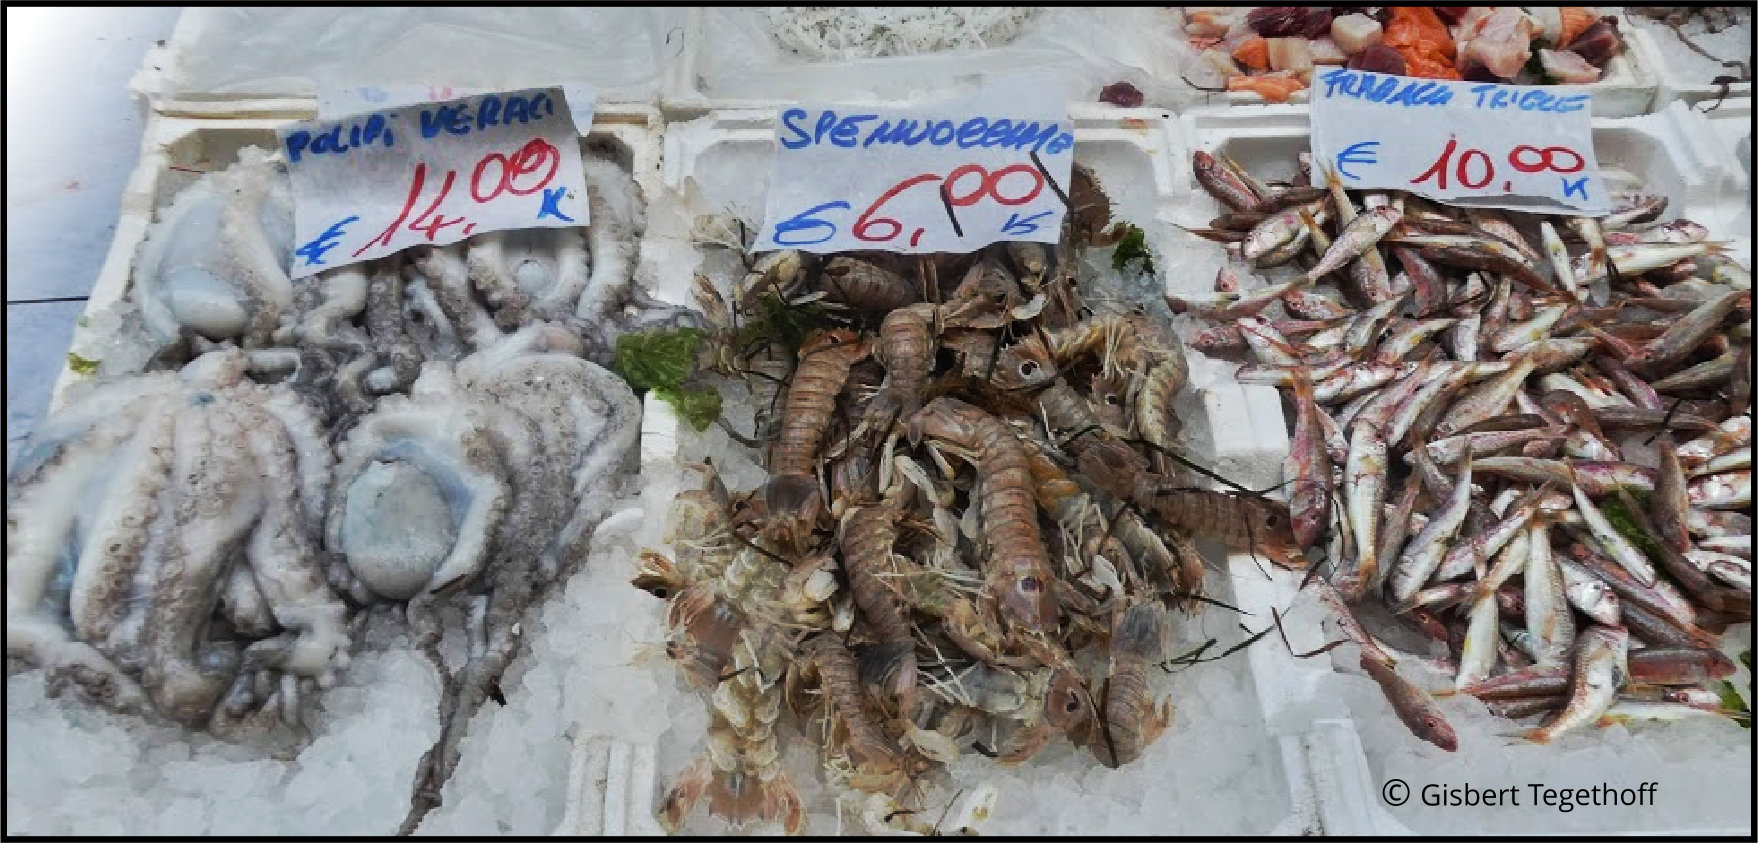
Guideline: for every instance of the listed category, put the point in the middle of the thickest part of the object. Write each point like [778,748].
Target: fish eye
[1072,706]
[1270,520]
[1028,368]
[661,592]
[1030,584]
[1113,400]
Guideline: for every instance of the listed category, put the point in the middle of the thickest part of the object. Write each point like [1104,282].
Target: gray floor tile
[37,337]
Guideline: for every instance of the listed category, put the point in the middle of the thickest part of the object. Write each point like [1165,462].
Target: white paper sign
[374,184]
[334,103]
[951,176]
[1517,147]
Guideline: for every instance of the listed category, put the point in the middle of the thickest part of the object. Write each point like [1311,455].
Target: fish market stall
[915,421]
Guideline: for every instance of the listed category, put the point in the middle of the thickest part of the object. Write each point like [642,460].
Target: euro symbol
[1359,153]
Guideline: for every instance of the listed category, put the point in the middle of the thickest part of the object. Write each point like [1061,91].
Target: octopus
[214,267]
[481,486]
[162,549]
[358,333]
[469,295]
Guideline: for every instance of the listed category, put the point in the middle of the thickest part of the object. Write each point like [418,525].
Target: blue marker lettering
[375,126]
[488,112]
[1032,135]
[934,136]
[1578,186]
[326,142]
[849,129]
[458,121]
[826,122]
[971,132]
[1500,100]
[433,121]
[1405,96]
[517,109]
[1480,90]
[313,252]
[296,144]
[543,100]
[1574,103]
[997,132]
[787,122]
[1442,95]
[1386,89]
[1359,153]
[1060,143]
[552,198]
[1017,226]
[900,133]
[1335,78]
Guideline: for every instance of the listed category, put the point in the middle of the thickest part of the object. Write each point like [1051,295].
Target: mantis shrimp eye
[1028,368]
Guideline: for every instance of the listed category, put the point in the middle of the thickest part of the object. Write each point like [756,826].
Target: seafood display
[1532,443]
[976,523]
[912,543]
[826,32]
[200,535]
[1272,51]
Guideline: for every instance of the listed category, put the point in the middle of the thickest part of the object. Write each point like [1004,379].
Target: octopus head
[399,525]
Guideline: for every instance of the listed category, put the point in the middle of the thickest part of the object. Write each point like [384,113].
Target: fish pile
[974,524]
[202,533]
[1540,456]
[1272,51]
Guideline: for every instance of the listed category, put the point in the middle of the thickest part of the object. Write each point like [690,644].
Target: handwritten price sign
[375,184]
[945,177]
[337,102]
[1517,147]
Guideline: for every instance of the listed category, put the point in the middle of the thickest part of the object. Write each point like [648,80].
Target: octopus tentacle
[384,321]
[309,444]
[615,229]
[449,280]
[183,674]
[485,261]
[243,606]
[120,404]
[283,560]
[426,322]
[343,293]
[113,546]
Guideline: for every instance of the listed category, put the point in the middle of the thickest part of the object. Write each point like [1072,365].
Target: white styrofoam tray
[176,150]
[1627,88]
[1671,153]
[1732,121]
[730,62]
[716,164]
[265,62]
[1655,43]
